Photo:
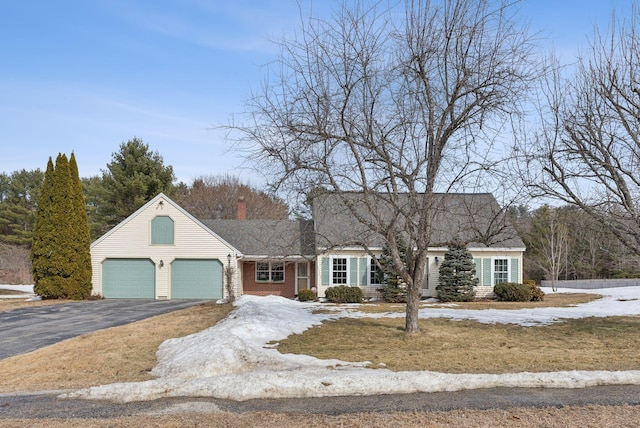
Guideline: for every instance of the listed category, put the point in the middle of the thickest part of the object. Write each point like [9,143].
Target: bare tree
[216,197]
[550,249]
[589,146]
[397,104]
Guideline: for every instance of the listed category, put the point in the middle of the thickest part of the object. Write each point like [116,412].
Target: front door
[302,276]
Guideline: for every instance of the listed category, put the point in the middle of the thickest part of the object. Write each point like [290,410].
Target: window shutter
[364,271]
[353,271]
[515,270]
[478,263]
[324,268]
[486,271]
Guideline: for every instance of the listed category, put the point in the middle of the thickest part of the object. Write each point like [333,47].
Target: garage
[128,279]
[196,279]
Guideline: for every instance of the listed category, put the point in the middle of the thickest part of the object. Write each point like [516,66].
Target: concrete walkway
[27,329]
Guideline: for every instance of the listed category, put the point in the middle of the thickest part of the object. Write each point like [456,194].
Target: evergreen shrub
[306,295]
[344,294]
[393,294]
[512,292]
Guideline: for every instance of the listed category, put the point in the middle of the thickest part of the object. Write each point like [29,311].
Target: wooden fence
[589,284]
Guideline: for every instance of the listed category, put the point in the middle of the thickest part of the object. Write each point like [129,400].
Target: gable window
[269,272]
[500,271]
[162,230]
[339,271]
[374,273]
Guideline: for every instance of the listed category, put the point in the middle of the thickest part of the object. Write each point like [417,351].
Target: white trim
[493,268]
[369,283]
[307,266]
[270,280]
[162,197]
[347,263]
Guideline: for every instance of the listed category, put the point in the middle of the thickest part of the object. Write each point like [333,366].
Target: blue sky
[87,75]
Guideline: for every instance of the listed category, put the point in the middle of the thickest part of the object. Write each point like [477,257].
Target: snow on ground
[234,360]
[22,288]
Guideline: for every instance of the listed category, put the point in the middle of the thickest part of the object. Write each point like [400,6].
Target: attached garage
[196,279]
[128,279]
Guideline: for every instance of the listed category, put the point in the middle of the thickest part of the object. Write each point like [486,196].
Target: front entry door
[302,277]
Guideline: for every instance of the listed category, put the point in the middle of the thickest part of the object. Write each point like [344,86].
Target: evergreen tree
[44,234]
[60,252]
[457,275]
[133,177]
[393,289]
[80,287]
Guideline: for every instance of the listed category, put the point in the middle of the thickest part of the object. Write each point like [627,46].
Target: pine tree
[457,275]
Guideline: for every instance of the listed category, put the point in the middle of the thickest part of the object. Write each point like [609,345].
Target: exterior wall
[482,257]
[284,289]
[132,239]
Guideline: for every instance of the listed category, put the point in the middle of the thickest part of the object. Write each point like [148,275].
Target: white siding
[131,239]
[433,268]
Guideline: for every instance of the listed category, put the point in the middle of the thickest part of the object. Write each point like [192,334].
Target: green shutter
[478,263]
[486,273]
[353,271]
[324,268]
[364,262]
[515,270]
[162,230]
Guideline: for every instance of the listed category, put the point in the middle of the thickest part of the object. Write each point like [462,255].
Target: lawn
[127,353]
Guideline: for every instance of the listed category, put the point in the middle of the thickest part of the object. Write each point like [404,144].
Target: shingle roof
[271,238]
[475,218]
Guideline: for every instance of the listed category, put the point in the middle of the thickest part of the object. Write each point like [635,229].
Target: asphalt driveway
[27,329]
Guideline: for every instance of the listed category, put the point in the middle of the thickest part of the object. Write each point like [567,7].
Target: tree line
[134,176]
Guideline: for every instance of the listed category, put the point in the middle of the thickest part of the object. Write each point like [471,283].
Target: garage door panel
[128,278]
[196,279]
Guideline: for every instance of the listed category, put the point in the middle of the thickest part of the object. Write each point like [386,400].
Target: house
[163,252]
[475,218]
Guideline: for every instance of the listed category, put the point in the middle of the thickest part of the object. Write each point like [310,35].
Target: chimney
[242,208]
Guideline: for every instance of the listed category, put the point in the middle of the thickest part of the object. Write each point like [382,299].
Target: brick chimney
[242,208]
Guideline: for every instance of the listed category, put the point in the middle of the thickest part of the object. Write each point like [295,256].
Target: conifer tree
[60,251]
[80,287]
[44,233]
[457,275]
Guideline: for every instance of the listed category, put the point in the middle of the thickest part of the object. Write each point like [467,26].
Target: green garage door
[128,278]
[196,279]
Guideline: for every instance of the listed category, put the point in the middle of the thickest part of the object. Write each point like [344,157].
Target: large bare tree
[396,103]
[589,146]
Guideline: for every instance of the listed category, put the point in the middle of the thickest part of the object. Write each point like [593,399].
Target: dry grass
[117,354]
[567,417]
[555,300]
[471,347]
[126,353]
[9,304]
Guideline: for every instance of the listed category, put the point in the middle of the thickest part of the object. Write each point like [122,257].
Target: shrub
[512,292]
[393,294]
[344,294]
[537,295]
[306,295]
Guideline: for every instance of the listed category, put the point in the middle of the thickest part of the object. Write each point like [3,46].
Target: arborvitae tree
[60,251]
[80,287]
[44,234]
[457,275]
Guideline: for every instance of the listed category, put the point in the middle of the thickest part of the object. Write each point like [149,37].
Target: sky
[86,76]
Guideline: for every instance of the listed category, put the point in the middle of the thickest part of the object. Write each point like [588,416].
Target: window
[162,230]
[269,272]
[374,273]
[500,271]
[339,271]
